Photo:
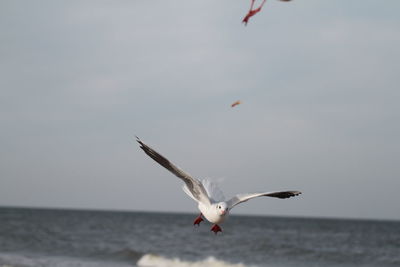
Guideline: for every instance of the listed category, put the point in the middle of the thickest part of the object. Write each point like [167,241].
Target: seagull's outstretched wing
[244,197]
[195,187]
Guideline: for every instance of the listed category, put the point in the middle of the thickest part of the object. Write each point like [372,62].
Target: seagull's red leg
[252,4]
[252,12]
[262,4]
[215,228]
[198,220]
[248,15]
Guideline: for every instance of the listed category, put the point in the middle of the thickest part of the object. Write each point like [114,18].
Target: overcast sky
[319,82]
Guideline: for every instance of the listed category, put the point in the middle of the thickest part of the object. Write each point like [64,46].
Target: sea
[61,238]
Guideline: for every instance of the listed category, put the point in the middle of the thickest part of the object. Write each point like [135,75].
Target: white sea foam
[17,260]
[152,260]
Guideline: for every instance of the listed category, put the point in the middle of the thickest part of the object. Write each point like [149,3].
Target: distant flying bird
[236,103]
[210,199]
[252,11]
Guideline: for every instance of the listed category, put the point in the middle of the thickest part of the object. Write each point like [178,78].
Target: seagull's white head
[222,208]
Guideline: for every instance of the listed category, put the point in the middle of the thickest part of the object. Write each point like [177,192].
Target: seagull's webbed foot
[215,228]
[198,220]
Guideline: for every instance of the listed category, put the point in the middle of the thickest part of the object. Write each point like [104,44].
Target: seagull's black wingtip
[139,141]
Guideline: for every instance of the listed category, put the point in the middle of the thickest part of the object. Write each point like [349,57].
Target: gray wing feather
[194,185]
[244,197]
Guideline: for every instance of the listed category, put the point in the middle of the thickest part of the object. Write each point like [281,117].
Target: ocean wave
[128,255]
[22,260]
[152,260]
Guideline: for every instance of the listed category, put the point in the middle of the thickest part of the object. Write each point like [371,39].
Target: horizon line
[187,213]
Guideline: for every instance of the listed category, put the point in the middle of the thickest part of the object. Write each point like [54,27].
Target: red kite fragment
[252,11]
[236,103]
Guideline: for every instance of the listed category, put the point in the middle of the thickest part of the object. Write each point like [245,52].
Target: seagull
[209,197]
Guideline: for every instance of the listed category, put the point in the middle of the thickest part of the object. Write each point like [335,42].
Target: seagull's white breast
[211,214]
